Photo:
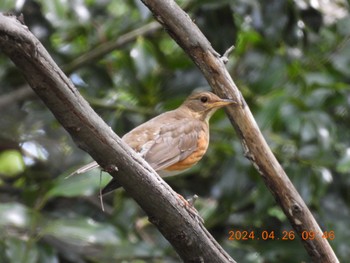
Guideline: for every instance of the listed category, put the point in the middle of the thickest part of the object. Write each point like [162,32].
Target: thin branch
[105,48]
[187,235]
[190,38]
[25,92]
[227,53]
[101,103]
[16,96]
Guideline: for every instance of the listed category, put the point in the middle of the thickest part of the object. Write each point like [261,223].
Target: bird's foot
[189,205]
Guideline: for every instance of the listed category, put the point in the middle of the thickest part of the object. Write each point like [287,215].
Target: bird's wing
[174,143]
[165,140]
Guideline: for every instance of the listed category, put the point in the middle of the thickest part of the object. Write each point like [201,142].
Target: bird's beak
[222,102]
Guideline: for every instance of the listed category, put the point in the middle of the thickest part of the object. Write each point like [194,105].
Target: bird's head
[203,104]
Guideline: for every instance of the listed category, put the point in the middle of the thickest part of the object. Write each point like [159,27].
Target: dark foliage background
[291,62]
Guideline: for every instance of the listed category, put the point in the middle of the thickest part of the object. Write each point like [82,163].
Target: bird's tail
[85,168]
[111,186]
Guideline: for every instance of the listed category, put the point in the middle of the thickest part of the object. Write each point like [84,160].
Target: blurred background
[291,62]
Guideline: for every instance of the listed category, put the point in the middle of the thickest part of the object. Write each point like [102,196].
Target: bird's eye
[204,99]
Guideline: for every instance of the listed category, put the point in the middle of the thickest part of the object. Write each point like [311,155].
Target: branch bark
[183,230]
[182,29]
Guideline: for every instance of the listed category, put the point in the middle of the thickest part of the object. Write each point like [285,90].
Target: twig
[17,96]
[224,57]
[105,48]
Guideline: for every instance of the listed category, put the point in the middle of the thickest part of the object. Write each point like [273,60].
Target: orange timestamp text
[271,235]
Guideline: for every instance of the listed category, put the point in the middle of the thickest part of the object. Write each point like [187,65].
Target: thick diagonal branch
[185,232]
[190,38]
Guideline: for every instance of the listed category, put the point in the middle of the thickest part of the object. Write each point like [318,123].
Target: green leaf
[278,213]
[11,163]
[19,251]
[81,232]
[343,165]
[78,185]
[14,215]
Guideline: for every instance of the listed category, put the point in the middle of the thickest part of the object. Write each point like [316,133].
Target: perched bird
[173,141]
